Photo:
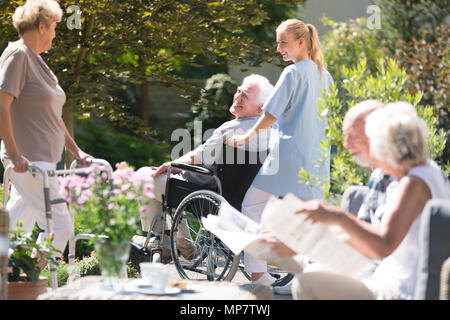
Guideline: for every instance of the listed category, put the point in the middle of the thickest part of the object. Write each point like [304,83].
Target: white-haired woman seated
[398,145]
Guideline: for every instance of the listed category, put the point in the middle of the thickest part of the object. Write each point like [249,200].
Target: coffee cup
[155,274]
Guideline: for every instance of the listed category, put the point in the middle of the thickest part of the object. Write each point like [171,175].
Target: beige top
[36,111]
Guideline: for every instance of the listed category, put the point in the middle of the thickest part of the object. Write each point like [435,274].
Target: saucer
[154,291]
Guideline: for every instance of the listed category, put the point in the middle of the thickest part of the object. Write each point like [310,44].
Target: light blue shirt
[297,134]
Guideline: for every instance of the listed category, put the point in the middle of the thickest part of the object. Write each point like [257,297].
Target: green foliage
[89,266]
[264,33]
[418,37]
[86,266]
[130,41]
[62,274]
[388,84]
[358,60]
[349,42]
[212,108]
[116,147]
[427,64]
[409,18]
[21,246]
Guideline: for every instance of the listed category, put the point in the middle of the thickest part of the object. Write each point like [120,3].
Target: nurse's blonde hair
[309,33]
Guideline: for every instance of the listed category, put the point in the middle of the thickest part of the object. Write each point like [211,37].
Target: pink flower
[143,210]
[117,181]
[112,222]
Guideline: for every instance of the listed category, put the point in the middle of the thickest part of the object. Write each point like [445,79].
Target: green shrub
[212,108]
[62,273]
[427,64]
[89,266]
[358,60]
[349,42]
[116,147]
[388,84]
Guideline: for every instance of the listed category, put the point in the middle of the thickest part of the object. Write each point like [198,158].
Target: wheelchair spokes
[212,258]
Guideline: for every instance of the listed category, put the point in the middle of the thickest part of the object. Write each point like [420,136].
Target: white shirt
[398,272]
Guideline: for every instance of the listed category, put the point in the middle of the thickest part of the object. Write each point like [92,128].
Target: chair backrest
[237,172]
[352,198]
[434,248]
[4,227]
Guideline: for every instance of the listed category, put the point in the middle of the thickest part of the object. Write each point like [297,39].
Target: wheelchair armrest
[192,168]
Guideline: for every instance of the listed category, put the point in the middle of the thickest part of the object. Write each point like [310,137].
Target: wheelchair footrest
[141,250]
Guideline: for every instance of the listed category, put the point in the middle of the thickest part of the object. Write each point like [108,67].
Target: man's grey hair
[397,134]
[265,88]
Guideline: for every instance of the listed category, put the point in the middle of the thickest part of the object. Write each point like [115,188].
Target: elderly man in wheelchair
[193,186]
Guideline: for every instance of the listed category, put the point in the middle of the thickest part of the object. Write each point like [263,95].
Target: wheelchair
[185,203]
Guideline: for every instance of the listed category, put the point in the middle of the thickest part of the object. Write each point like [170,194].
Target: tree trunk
[145,116]
[144,102]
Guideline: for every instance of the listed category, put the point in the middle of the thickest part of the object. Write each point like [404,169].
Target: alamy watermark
[74,21]
[374,20]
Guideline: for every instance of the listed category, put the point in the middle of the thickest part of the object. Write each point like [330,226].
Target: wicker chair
[4,226]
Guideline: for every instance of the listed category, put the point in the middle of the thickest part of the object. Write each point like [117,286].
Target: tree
[387,84]
[424,63]
[408,18]
[126,42]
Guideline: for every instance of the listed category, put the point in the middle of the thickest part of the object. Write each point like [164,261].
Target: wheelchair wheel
[280,277]
[196,252]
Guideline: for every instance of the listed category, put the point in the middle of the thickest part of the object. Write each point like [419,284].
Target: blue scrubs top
[297,134]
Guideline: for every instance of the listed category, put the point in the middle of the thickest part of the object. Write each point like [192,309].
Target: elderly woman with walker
[32,128]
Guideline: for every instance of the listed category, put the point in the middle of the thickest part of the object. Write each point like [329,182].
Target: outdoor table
[89,288]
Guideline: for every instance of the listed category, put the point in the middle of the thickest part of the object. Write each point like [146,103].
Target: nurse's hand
[238,139]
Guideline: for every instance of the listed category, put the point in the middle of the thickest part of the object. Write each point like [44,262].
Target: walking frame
[46,174]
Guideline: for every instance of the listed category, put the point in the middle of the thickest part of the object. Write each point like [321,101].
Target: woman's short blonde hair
[397,134]
[29,15]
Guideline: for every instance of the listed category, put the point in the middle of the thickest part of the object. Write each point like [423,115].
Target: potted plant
[24,280]
[110,211]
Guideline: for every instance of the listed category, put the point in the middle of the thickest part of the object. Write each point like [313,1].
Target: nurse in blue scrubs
[297,132]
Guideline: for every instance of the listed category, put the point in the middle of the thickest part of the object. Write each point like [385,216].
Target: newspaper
[320,243]
[240,233]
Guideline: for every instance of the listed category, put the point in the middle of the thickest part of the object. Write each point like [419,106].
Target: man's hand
[19,163]
[161,169]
